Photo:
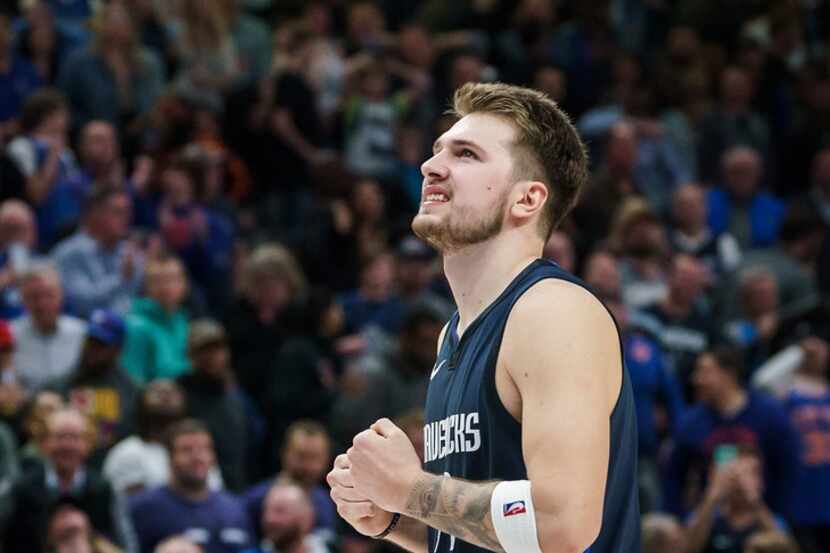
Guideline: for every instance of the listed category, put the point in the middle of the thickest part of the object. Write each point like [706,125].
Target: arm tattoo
[457,507]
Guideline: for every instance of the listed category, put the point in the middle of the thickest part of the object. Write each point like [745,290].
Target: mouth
[435,198]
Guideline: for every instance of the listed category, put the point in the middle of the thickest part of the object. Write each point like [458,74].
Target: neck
[693,230]
[46,327]
[730,402]
[479,273]
[189,493]
[677,306]
[297,546]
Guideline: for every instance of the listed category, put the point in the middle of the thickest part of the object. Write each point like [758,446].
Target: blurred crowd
[208,283]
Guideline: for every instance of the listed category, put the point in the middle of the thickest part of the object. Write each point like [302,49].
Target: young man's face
[466,184]
[191,460]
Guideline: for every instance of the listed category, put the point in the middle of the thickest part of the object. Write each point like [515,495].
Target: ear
[529,199]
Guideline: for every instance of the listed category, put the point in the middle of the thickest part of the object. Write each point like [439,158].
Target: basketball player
[530,436]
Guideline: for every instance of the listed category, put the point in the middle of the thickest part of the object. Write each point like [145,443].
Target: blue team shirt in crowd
[762,423]
[15,85]
[219,523]
[652,382]
[810,415]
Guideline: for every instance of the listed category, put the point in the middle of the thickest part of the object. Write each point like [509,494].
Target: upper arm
[561,350]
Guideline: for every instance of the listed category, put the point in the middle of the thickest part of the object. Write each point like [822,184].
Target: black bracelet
[392,523]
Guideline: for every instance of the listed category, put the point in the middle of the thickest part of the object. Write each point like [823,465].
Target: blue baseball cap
[107,327]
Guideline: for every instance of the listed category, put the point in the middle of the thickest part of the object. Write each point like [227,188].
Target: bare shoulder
[560,335]
[559,304]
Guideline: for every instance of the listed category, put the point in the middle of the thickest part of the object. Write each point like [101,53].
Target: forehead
[492,133]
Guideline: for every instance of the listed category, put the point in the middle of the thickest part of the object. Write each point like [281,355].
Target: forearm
[456,507]
[697,533]
[410,534]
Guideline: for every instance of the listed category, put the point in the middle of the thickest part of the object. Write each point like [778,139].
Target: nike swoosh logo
[436,369]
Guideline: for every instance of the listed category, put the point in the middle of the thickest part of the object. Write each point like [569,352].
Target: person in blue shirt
[41,152]
[18,77]
[305,457]
[654,386]
[728,414]
[287,519]
[215,520]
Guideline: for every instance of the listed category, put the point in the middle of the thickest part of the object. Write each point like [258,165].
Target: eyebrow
[456,142]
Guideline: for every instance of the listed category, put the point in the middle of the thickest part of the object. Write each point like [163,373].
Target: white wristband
[511,508]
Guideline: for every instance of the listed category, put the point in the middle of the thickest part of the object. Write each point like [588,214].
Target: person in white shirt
[48,342]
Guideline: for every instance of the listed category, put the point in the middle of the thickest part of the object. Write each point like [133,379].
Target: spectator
[64,473]
[726,414]
[69,531]
[18,239]
[48,344]
[375,301]
[661,533]
[303,381]
[393,382]
[99,267]
[808,404]
[732,123]
[186,505]
[115,78]
[41,153]
[658,399]
[100,156]
[640,240]
[739,206]
[372,117]
[682,321]
[793,259]
[202,237]
[733,507]
[758,320]
[306,456]
[98,387]
[208,59]
[141,461]
[417,270]
[157,325]
[213,397]
[251,39]
[37,412]
[602,274]
[44,42]
[18,78]
[610,184]
[287,520]
[690,233]
[264,313]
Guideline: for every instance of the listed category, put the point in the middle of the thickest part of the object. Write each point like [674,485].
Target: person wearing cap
[99,387]
[213,397]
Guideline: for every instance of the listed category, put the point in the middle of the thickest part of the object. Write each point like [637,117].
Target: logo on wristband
[514,508]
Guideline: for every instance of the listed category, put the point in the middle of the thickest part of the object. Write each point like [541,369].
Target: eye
[466,152]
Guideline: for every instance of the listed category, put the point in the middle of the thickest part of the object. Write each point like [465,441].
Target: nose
[434,168]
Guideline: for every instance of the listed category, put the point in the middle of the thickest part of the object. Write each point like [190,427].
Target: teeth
[436,198]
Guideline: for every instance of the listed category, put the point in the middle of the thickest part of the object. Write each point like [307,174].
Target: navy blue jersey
[469,433]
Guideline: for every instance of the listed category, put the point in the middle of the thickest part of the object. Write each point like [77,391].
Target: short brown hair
[308,427]
[40,106]
[547,147]
[183,427]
